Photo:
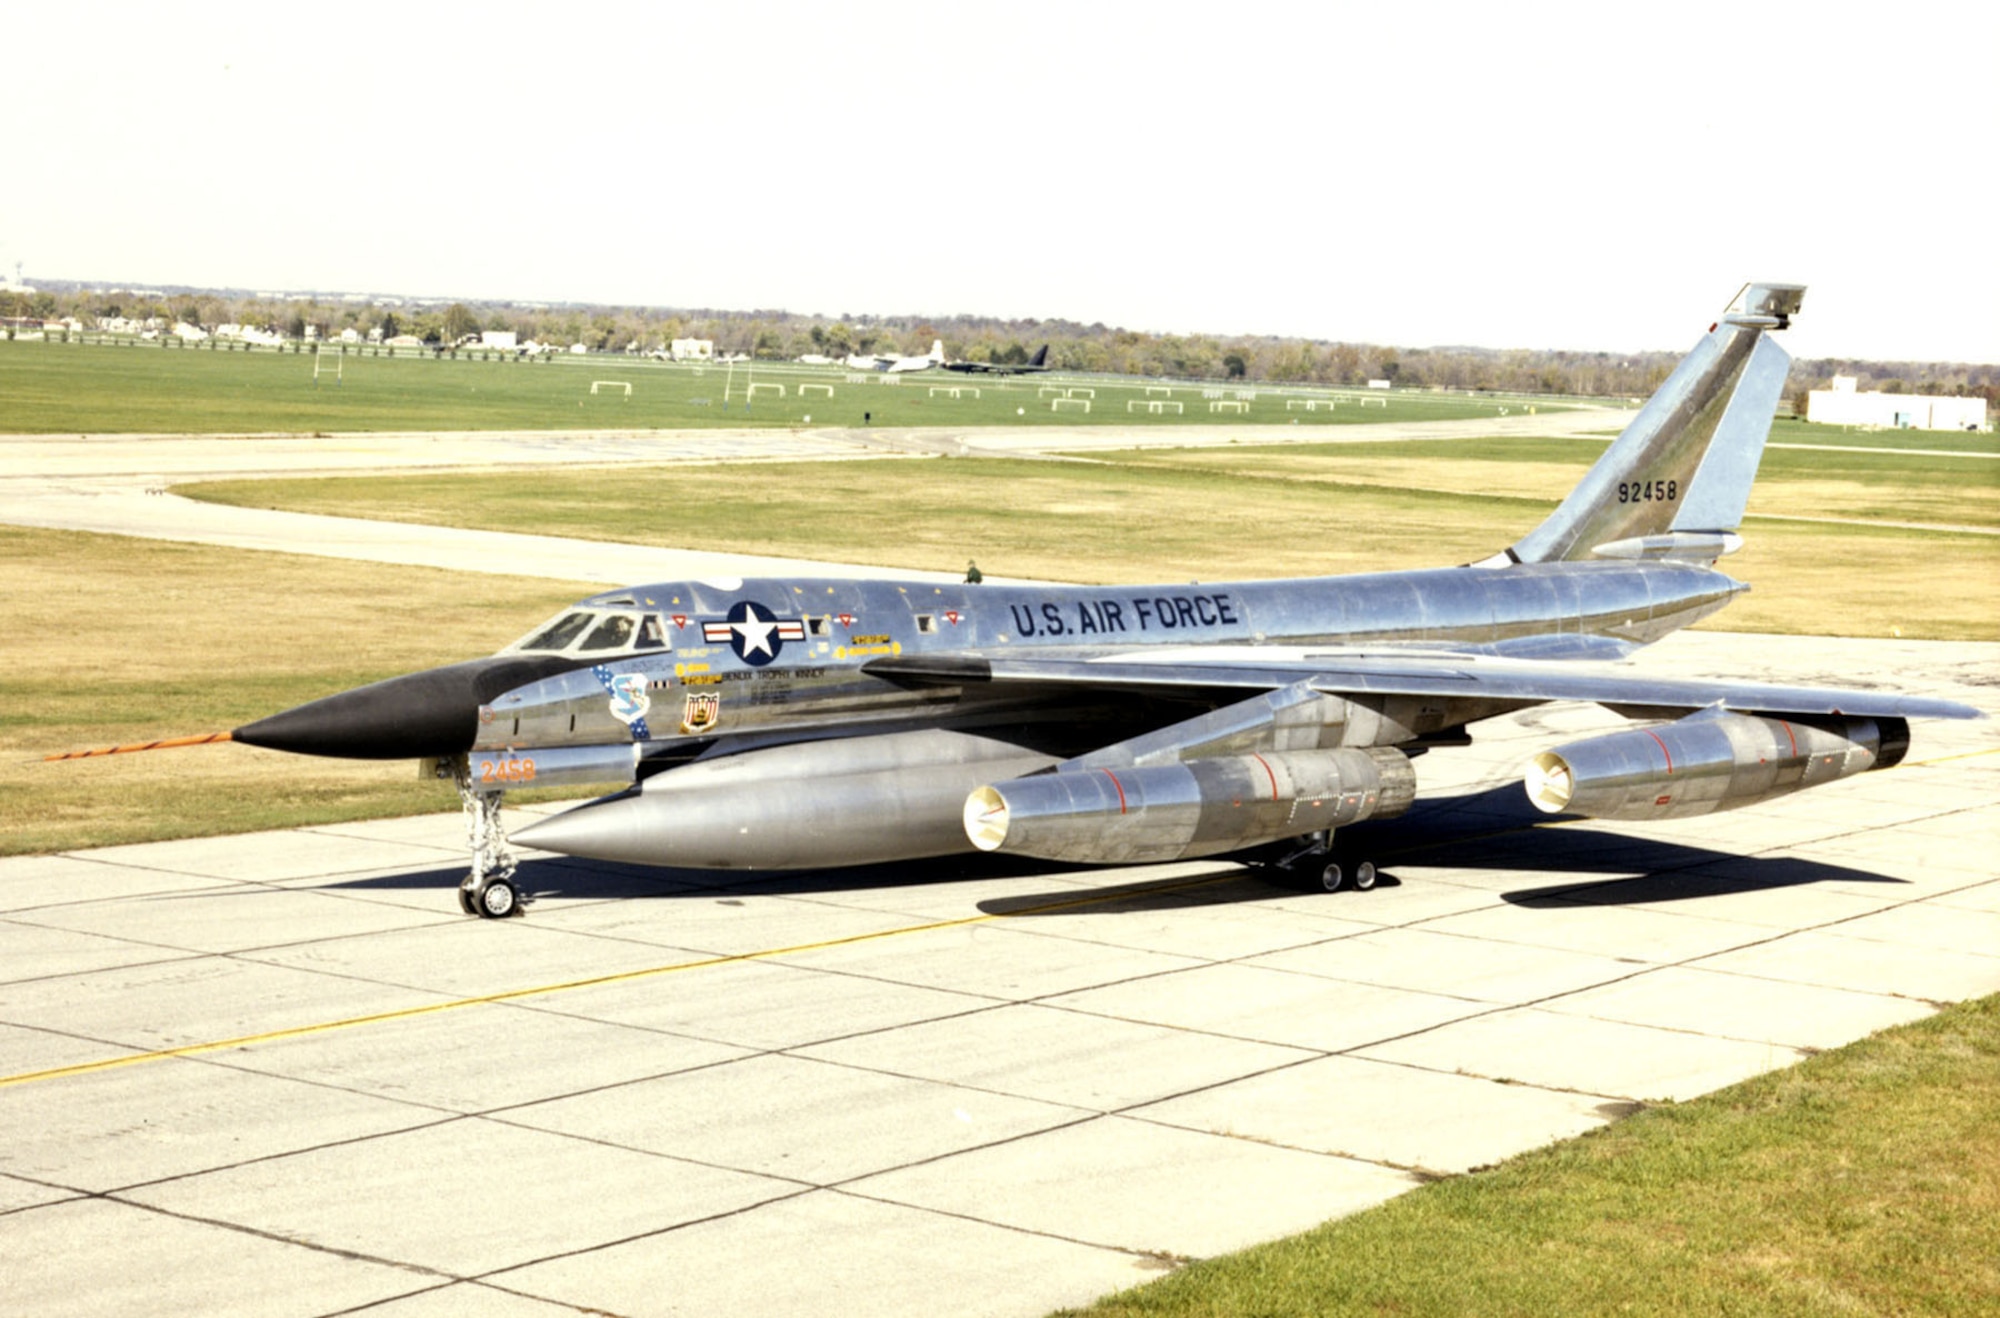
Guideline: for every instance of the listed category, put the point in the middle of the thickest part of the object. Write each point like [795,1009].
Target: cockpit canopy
[595,632]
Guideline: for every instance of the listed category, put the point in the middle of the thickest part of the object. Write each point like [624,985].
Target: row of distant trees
[780,335]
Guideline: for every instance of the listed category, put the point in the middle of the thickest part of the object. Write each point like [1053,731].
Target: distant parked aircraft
[897,365]
[1038,362]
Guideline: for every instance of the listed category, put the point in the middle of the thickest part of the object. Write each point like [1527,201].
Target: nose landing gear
[489,891]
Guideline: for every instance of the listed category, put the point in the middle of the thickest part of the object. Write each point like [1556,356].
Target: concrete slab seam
[509,995]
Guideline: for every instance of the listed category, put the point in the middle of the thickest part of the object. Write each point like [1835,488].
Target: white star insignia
[756,634]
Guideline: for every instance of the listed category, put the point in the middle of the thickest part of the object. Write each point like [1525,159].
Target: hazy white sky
[1506,174]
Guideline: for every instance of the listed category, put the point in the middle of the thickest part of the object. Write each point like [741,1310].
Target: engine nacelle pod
[1193,808]
[1706,762]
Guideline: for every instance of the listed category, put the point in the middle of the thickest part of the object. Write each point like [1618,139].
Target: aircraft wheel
[1364,875]
[465,902]
[1332,877]
[499,900]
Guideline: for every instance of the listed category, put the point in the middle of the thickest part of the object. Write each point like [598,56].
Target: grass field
[1786,431]
[1862,1181]
[1791,482]
[89,389]
[113,641]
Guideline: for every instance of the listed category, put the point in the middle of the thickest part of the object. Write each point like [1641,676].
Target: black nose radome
[435,712]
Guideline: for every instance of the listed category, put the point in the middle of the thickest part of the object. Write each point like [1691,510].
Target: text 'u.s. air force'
[1150,613]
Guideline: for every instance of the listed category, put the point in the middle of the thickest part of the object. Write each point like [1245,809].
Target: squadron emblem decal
[629,701]
[701,712]
[753,632]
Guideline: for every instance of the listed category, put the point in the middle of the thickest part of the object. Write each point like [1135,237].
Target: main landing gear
[489,890]
[1317,865]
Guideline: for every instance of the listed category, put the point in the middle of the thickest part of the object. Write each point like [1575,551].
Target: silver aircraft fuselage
[817,671]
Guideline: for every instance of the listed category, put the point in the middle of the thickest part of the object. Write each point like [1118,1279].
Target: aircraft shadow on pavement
[1488,830]
[595,880]
[1494,829]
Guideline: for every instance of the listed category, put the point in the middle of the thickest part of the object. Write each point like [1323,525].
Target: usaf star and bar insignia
[755,633]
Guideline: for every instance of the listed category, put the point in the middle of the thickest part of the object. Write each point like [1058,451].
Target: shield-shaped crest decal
[700,713]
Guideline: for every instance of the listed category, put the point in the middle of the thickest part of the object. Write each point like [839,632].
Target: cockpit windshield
[609,634]
[597,632]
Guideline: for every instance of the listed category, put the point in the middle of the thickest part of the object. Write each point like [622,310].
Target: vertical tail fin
[1674,483]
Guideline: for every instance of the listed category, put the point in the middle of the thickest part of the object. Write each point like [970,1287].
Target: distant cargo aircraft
[800,722]
[897,365]
[1038,362]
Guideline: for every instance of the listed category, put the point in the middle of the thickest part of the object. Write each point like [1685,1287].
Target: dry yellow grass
[115,640]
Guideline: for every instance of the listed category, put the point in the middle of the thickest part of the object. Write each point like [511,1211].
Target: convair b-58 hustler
[808,723]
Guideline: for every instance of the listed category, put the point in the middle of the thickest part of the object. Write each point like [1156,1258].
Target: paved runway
[280,1074]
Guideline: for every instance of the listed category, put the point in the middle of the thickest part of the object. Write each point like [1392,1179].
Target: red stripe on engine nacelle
[1268,774]
[1121,789]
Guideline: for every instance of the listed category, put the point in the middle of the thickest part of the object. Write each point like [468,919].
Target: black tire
[465,902]
[499,901]
[1365,875]
[1332,876]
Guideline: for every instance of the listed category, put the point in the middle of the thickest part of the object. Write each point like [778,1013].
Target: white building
[692,350]
[189,333]
[505,340]
[1844,405]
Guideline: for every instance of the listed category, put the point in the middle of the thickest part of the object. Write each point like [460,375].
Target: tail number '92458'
[1648,491]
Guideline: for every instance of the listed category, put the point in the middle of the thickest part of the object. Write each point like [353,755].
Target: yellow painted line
[623,976]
